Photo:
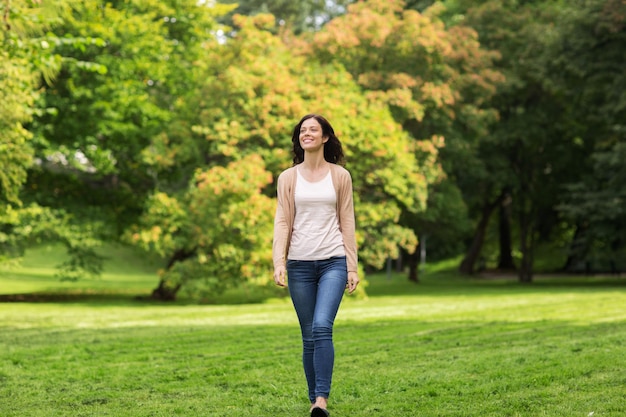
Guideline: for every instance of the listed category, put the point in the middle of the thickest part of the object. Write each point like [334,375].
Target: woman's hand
[279,276]
[353,281]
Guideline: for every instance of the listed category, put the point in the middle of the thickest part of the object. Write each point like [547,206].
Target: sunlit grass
[449,346]
[517,353]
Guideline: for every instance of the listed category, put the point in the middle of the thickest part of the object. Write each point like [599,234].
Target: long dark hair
[333,151]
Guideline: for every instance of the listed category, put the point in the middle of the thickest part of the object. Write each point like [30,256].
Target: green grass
[446,347]
[126,274]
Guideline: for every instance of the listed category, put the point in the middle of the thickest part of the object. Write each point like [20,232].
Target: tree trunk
[399,264]
[506,258]
[525,272]
[467,265]
[414,263]
[577,251]
[165,292]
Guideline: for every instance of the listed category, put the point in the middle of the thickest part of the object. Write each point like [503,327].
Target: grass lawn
[446,347]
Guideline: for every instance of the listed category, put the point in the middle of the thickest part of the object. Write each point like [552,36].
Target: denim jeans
[316,289]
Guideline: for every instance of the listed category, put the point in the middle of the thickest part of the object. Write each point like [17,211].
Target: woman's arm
[347,222]
[281,232]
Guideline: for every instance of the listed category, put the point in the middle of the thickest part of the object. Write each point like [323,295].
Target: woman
[314,243]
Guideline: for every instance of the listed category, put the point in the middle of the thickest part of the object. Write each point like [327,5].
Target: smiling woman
[314,242]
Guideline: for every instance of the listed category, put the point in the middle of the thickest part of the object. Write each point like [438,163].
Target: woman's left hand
[353,281]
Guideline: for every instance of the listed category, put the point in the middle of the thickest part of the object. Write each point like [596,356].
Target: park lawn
[127,274]
[446,347]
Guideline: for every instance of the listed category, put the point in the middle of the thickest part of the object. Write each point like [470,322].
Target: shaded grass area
[448,346]
[129,276]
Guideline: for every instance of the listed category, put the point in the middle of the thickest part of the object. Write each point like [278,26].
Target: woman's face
[311,135]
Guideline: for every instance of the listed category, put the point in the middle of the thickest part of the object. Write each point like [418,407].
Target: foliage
[159,97]
[253,90]
[123,66]
[108,114]
[444,222]
[15,151]
[222,224]
[541,126]
[23,56]
[591,46]
[414,64]
[113,114]
[379,155]
[597,204]
[27,226]
[295,15]
[437,82]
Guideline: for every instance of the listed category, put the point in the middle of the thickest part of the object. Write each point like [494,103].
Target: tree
[106,113]
[596,205]
[150,108]
[215,234]
[246,104]
[589,73]
[436,80]
[538,132]
[121,67]
[25,59]
[19,72]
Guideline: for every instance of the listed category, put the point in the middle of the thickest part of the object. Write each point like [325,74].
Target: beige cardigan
[286,210]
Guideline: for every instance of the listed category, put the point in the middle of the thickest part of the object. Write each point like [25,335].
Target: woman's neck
[314,161]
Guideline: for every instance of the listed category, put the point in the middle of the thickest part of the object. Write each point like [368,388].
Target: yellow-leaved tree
[437,81]
[252,91]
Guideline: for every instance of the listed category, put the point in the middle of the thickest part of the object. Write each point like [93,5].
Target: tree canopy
[164,125]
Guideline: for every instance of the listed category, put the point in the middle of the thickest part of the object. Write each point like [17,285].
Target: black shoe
[319,412]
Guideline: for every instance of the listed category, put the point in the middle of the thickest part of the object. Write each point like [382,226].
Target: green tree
[22,57]
[535,148]
[595,205]
[122,67]
[25,59]
[214,234]
[589,73]
[108,114]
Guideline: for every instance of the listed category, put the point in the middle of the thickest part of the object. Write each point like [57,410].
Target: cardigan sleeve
[347,222]
[281,228]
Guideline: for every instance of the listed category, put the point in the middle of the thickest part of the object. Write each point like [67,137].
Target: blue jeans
[316,289]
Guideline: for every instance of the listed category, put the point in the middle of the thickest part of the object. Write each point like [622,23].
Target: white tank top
[316,233]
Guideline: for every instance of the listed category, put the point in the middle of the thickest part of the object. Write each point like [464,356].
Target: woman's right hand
[279,276]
